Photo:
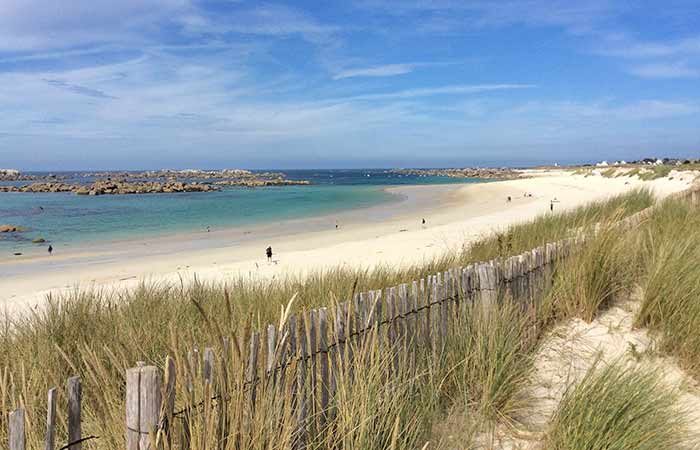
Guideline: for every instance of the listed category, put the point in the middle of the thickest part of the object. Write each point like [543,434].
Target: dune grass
[552,227]
[98,335]
[669,248]
[489,356]
[618,407]
[593,277]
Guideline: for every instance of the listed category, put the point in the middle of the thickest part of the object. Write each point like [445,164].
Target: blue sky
[357,83]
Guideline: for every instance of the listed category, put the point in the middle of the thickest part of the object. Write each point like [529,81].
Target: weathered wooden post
[143,405]
[75,393]
[15,429]
[50,437]
[302,400]
[322,327]
[252,370]
[168,399]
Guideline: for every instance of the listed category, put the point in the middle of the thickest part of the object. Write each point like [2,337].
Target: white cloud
[261,20]
[451,15]
[665,70]
[603,112]
[48,24]
[387,70]
[626,47]
[443,90]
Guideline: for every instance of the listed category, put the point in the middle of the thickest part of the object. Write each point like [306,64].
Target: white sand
[391,234]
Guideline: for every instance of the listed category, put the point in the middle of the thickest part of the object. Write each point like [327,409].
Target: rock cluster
[40,187]
[11,229]
[107,187]
[468,172]
[156,182]
[16,175]
[257,182]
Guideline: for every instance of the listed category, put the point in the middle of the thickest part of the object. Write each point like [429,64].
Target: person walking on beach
[551,205]
[424,221]
[268,252]
[50,249]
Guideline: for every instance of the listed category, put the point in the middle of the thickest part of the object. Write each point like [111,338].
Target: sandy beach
[389,234]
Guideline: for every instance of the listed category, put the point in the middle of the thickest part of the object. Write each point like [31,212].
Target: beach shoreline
[390,234]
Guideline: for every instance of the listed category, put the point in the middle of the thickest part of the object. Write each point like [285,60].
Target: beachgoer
[509,199]
[423,221]
[50,249]
[208,230]
[268,252]
[551,205]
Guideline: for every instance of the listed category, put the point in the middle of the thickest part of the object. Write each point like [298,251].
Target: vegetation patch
[618,407]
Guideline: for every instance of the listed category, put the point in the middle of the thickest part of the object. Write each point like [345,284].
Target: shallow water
[69,218]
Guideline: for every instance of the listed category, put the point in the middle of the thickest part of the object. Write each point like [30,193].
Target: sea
[75,219]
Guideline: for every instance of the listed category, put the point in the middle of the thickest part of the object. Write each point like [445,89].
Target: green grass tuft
[617,407]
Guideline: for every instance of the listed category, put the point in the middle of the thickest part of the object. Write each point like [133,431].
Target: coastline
[384,234]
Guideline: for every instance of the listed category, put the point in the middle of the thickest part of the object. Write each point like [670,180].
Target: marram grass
[619,407]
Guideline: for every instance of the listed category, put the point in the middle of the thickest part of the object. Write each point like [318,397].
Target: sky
[138,84]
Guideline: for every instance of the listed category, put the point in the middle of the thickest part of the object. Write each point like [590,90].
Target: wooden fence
[300,359]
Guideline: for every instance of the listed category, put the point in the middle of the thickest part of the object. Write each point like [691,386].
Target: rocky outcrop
[11,229]
[468,172]
[157,182]
[264,182]
[9,174]
[16,175]
[108,187]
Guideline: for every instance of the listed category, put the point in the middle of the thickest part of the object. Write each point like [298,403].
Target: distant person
[268,252]
[424,222]
[509,199]
[50,249]
[208,230]
[336,224]
[551,205]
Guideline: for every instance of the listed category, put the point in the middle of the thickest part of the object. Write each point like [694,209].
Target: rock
[167,182]
[38,240]
[11,229]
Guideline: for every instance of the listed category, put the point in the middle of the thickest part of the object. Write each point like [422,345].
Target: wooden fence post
[143,404]
[74,392]
[271,358]
[487,285]
[50,437]
[15,429]
[322,327]
[208,367]
[252,370]
[302,402]
[168,399]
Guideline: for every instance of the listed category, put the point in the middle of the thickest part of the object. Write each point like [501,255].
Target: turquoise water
[68,218]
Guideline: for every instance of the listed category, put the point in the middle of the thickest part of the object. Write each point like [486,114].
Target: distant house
[602,164]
